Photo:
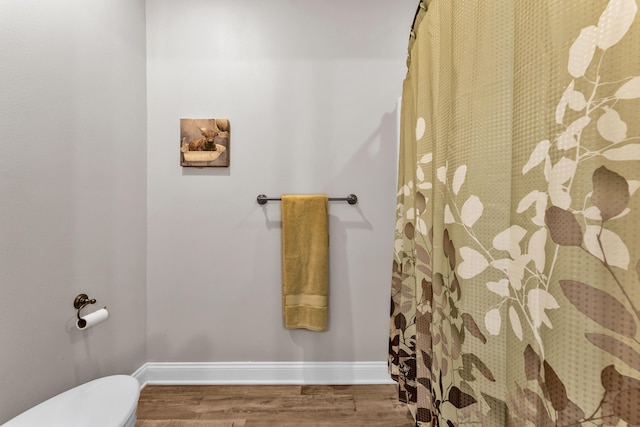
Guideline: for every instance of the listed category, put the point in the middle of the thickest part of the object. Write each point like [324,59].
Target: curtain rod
[352,199]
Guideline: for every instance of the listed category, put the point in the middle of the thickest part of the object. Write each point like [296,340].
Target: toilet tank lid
[104,402]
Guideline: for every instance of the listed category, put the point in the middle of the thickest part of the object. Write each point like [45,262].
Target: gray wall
[72,191]
[310,88]
[86,178]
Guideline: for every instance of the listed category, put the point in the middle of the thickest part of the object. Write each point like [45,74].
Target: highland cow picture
[204,142]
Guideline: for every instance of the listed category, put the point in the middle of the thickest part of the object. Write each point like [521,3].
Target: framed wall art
[204,142]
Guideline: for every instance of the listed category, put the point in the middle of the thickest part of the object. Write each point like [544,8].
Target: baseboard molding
[260,373]
[141,374]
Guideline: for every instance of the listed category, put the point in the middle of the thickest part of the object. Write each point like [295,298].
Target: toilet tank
[106,402]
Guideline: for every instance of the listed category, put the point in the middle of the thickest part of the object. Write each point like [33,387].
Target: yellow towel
[305,261]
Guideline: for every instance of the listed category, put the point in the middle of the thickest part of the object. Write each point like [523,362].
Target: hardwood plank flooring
[277,405]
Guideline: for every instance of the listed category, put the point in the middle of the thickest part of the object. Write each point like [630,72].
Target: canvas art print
[204,142]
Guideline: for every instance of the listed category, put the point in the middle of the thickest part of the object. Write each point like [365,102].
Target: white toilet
[105,402]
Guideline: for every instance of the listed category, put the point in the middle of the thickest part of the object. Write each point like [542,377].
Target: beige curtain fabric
[516,278]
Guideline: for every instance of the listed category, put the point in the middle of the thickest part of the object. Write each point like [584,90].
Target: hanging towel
[305,261]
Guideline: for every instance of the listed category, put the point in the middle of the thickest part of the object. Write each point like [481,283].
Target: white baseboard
[261,373]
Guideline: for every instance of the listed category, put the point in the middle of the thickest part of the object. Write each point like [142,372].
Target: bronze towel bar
[352,199]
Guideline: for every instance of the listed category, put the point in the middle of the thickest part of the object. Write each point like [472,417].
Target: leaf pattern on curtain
[526,314]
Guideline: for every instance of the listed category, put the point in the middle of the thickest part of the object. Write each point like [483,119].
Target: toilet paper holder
[81,302]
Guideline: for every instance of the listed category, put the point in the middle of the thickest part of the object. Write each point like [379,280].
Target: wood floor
[277,405]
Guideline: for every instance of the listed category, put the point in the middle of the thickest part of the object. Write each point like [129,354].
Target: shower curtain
[516,272]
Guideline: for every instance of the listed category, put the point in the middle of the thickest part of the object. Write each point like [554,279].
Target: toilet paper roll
[92,319]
